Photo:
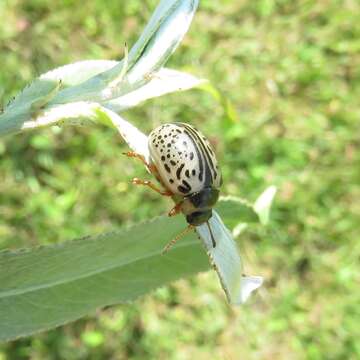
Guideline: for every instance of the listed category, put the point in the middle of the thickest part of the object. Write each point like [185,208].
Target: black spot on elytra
[162,141]
[167,168]
[191,155]
[178,171]
[193,172]
[187,185]
[182,189]
[171,181]
[168,156]
[163,158]
[178,130]
[168,145]
[184,143]
[200,176]
[172,162]
[187,173]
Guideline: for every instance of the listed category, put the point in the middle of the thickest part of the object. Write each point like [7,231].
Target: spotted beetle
[183,161]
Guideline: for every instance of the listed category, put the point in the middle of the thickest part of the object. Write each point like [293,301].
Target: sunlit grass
[288,75]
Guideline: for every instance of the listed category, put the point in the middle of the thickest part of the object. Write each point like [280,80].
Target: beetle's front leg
[137,181]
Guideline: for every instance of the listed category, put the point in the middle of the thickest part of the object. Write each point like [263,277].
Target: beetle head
[198,217]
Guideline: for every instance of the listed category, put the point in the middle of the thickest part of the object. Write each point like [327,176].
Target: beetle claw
[175,210]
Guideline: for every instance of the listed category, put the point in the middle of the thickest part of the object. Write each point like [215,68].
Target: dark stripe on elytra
[178,171]
[210,150]
[201,164]
[208,162]
[206,148]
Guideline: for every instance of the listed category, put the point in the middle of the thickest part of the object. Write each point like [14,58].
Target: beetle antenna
[211,234]
[177,237]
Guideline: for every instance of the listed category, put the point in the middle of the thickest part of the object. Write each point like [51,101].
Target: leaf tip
[263,204]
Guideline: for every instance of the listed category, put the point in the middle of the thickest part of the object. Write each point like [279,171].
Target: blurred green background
[285,112]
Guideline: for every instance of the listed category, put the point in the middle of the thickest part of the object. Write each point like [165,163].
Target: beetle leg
[133,154]
[175,210]
[178,237]
[148,183]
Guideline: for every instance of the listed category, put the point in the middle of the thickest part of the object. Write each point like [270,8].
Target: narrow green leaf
[69,75]
[163,82]
[43,287]
[48,286]
[159,40]
[45,99]
[20,111]
[263,203]
[226,261]
[241,211]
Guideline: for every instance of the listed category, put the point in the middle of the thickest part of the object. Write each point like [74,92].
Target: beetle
[184,163]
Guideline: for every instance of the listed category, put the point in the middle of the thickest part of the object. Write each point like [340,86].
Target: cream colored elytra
[184,159]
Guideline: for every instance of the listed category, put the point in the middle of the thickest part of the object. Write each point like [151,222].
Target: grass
[284,111]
